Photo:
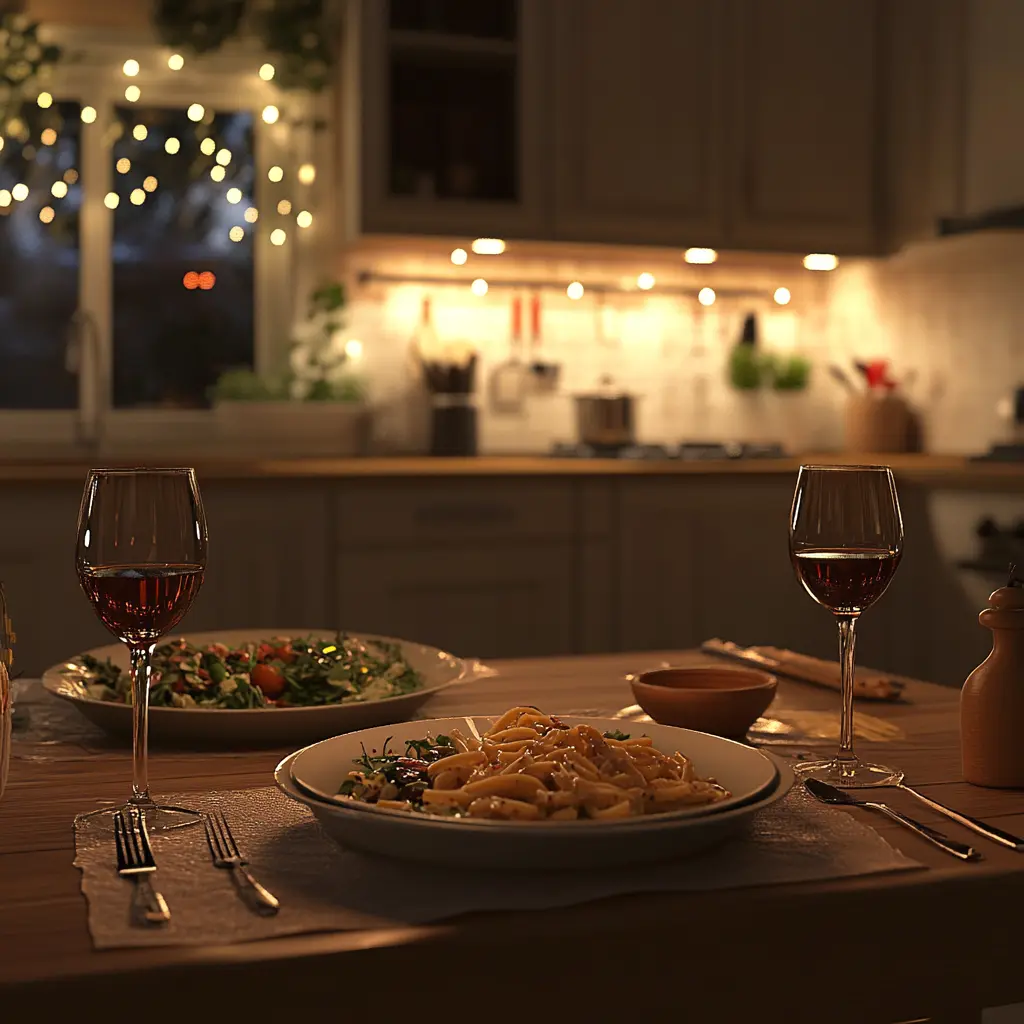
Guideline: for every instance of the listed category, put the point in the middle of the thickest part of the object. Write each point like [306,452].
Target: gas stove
[685,452]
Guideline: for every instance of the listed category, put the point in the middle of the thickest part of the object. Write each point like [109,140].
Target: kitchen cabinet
[639,91]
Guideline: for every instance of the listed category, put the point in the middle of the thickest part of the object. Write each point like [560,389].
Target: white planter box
[295,428]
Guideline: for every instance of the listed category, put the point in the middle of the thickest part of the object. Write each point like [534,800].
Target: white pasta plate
[262,726]
[313,775]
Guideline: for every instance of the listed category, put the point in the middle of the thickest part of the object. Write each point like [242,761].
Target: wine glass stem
[847,638]
[140,655]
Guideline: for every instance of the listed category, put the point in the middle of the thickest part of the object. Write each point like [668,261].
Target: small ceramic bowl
[723,701]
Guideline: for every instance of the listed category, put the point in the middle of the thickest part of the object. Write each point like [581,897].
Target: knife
[830,795]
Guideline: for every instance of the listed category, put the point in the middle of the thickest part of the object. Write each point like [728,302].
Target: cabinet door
[495,601]
[638,106]
[806,126]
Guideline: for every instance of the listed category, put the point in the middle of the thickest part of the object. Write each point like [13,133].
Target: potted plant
[317,406]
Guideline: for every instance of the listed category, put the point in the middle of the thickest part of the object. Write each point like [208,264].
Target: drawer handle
[463,512]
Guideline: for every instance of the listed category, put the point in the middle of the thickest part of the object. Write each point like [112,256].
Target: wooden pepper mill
[992,701]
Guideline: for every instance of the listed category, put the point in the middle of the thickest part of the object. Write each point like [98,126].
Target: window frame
[90,73]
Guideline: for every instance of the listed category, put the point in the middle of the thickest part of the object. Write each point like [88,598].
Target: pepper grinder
[992,701]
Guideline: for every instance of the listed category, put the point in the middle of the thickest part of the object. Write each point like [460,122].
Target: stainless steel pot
[605,419]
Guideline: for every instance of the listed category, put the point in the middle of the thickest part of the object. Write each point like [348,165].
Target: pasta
[532,767]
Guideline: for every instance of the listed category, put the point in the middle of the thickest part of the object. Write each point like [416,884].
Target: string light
[191,280]
[278,236]
[700,256]
[821,261]
[252,214]
[48,137]
[782,296]
[1,143]
[175,62]
[706,296]
[140,133]
[459,257]
[124,165]
[196,112]
[70,175]
[5,197]
[236,234]
[488,246]
[172,145]
[132,93]
[207,279]
[138,197]
[217,173]
[20,192]
[110,200]
[46,214]
[271,114]
[479,287]
[130,67]
[88,115]
[150,183]
[307,174]
[207,146]
[275,173]
[266,72]
[304,218]
[575,290]
[233,195]
[354,349]
[45,100]
[224,157]
[59,189]
[284,207]
[645,282]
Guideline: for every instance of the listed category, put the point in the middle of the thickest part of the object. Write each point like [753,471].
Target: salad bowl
[260,726]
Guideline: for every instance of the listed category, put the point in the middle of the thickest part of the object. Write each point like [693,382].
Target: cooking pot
[605,418]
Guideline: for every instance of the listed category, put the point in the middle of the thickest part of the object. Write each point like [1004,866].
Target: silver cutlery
[830,795]
[997,835]
[226,854]
[135,861]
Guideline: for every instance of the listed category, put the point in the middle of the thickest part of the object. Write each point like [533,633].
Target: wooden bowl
[723,701]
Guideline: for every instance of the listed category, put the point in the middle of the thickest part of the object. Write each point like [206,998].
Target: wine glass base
[159,817]
[849,773]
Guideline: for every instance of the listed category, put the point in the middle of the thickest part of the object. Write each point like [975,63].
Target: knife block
[877,422]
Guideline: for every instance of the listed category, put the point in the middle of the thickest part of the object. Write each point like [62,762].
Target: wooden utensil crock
[992,701]
[877,422]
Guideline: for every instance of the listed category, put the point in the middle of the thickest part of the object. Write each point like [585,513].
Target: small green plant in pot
[790,373]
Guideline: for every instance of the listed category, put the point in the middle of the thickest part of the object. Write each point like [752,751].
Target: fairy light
[46,214]
[236,234]
[251,214]
[645,282]
[271,114]
[140,133]
[20,192]
[110,200]
[88,115]
[132,93]
[821,261]
[223,157]
[138,197]
[459,257]
[284,207]
[575,290]
[278,236]
[700,256]
[267,72]
[1,143]
[150,183]
[307,174]
[172,145]
[45,100]
[233,195]
[124,165]
[304,218]
[70,175]
[59,189]
[275,173]
[479,287]
[48,137]
[706,296]
[217,173]
[782,296]
[175,62]
[488,246]
[130,67]
[354,349]
[207,146]
[5,197]
[196,112]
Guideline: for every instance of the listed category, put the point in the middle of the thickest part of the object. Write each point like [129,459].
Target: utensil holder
[453,425]
[878,422]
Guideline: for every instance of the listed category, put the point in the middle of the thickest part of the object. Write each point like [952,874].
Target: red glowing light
[207,279]
[191,280]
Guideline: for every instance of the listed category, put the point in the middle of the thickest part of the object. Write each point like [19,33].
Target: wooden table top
[938,943]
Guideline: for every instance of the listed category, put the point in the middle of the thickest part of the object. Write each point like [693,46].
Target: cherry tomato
[284,653]
[264,652]
[268,679]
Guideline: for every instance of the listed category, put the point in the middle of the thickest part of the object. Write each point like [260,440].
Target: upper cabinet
[638,101]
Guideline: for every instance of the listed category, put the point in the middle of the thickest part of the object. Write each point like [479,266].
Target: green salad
[280,672]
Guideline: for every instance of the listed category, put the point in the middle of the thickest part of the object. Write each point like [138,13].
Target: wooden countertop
[938,943]
[947,471]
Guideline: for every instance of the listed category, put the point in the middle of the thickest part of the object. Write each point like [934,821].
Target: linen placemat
[323,887]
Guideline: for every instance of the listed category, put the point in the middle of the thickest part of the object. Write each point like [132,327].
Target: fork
[225,853]
[135,861]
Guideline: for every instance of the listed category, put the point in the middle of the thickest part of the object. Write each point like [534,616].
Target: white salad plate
[261,726]
[755,780]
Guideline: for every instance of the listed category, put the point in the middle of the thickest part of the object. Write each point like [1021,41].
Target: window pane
[183,288]
[39,256]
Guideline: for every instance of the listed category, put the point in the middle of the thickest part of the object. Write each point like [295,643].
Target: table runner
[323,887]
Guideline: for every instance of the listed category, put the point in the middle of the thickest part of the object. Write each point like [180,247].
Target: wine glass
[845,539]
[141,556]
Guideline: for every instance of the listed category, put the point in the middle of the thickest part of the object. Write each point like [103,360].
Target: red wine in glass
[847,580]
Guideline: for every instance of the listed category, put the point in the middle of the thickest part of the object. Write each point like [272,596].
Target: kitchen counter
[943,471]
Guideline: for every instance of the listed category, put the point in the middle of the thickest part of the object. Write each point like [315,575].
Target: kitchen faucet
[83,356]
